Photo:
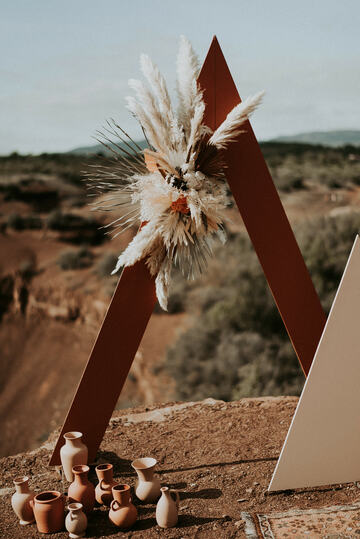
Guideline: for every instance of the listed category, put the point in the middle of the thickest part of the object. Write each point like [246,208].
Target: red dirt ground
[220,456]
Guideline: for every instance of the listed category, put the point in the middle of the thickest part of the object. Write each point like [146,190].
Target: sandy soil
[220,456]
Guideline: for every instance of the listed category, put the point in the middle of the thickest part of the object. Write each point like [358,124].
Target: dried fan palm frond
[176,189]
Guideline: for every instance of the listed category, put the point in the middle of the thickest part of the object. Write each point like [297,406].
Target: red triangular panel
[264,216]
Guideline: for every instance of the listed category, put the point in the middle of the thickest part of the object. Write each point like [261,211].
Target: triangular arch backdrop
[134,299]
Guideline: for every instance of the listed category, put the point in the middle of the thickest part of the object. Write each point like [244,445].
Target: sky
[64,65]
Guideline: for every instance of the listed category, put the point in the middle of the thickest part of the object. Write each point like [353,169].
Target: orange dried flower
[180,205]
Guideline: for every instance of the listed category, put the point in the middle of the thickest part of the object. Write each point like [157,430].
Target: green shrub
[32,222]
[106,265]
[82,258]
[76,229]
[237,345]
[16,222]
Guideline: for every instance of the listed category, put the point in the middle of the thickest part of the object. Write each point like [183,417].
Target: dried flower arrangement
[176,189]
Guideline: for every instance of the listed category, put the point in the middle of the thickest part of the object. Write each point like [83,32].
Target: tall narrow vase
[81,490]
[148,486]
[103,491]
[74,452]
[21,499]
[122,512]
[167,508]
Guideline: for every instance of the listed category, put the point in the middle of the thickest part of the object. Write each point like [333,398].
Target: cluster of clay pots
[48,508]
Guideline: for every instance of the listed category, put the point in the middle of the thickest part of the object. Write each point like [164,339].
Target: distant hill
[99,148]
[340,137]
[324,138]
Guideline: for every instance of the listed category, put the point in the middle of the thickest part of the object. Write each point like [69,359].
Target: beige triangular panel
[322,446]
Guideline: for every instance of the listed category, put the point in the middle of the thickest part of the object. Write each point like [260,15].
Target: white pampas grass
[138,247]
[176,189]
[162,283]
[149,106]
[189,93]
[158,85]
[196,125]
[144,119]
[230,128]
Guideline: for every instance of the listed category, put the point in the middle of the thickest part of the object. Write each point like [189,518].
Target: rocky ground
[220,456]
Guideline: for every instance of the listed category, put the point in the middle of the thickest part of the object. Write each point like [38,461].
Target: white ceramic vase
[74,452]
[148,486]
[20,501]
[167,508]
[76,520]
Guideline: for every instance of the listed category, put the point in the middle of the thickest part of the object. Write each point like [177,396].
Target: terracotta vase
[76,521]
[81,490]
[103,491]
[20,500]
[72,453]
[49,511]
[148,486]
[167,508]
[122,512]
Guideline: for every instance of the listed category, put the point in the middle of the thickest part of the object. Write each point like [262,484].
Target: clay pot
[103,491]
[167,508]
[81,490]
[76,521]
[147,487]
[49,511]
[74,452]
[20,500]
[122,512]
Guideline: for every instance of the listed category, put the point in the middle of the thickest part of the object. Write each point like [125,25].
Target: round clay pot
[122,512]
[21,499]
[74,452]
[148,486]
[81,490]
[49,511]
[76,521]
[103,491]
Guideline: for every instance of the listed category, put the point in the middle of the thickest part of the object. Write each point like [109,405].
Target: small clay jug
[167,508]
[103,491]
[122,512]
[148,486]
[81,490]
[49,511]
[76,521]
[72,453]
[21,499]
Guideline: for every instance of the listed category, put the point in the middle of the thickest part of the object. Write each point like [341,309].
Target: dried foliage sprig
[176,189]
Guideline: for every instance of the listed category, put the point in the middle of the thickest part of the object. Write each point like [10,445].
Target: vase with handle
[103,491]
[167,508]
[122,512]
[148,486]
[20,500]
[81,490]
[49,509]
[72,453]
[76,520]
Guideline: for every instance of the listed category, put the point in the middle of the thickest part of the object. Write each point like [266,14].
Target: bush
[237,345]
[106,265]
[75,228]
[32,222]
[82,258]
[15,221]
